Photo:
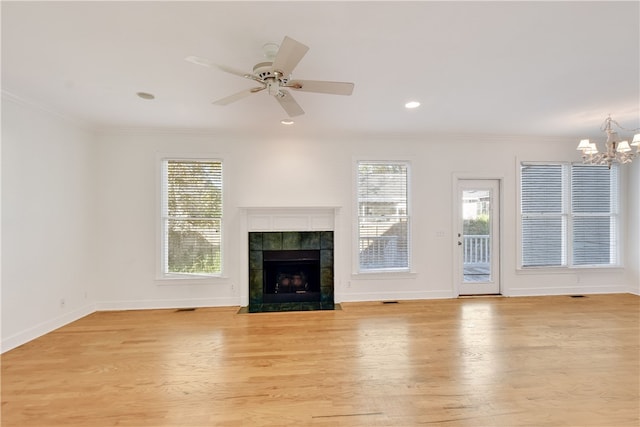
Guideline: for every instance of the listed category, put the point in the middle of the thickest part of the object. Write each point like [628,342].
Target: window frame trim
[162,277]
[568,213]
[401,272]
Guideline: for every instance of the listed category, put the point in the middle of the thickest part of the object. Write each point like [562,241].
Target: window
[383,221]
[192,217]
[569,215]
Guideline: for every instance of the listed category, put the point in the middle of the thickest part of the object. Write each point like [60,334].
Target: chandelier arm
[611,153]
[615,123]
[603,126]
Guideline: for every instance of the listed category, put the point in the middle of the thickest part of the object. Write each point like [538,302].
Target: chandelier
[616,150]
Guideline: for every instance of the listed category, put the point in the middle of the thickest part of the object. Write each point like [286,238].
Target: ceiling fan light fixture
[411,105]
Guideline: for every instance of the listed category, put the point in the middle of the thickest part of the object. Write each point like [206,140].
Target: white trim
[384,275]
[73,121]
[177,280]
[569,270]
[45,327]
[397,296]
[296,218]
[158,304]
[355,255]
[457,177]
[284,218]
[567,290]
[161,277]
[567,213]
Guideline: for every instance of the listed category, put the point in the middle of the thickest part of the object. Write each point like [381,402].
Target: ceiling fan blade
[333,88]
[288,56]
[199,61]
[238,96]
[207,63]
[233,71]
[289,104]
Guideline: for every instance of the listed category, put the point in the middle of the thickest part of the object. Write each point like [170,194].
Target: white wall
[633,258]
[290,171]
[80,214]
[48,222]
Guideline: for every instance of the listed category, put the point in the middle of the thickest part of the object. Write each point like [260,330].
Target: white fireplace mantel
[312,218]
[279,218]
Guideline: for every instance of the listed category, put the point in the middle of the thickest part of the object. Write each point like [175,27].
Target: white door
[478,237]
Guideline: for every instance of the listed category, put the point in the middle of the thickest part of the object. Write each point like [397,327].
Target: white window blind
[192,217]
[544,219]
[594,208]
[383,221]
[569,215]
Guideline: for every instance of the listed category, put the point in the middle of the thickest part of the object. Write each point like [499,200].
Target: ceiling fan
[275,76]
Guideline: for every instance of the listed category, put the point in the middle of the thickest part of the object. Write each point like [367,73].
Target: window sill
[568,270]
[383,275]
[190,280]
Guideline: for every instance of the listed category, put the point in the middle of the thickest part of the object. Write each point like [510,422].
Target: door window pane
[476,239]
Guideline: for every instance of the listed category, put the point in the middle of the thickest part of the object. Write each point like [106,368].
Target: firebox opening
[291,276]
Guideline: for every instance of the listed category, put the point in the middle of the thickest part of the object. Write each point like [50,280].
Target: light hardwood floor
[544,361]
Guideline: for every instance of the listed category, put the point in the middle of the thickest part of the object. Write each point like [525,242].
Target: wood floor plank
[543,361]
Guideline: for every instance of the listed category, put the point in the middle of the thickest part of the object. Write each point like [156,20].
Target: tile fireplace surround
[282,242]
[281,230]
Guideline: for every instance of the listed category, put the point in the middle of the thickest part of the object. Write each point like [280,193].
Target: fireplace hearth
[291,271]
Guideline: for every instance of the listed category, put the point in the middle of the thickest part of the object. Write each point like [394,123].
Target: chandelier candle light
[616,150]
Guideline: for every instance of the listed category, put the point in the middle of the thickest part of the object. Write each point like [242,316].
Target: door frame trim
[455,178]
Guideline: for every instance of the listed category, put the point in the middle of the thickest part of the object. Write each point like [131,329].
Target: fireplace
[291,276]
[291,271]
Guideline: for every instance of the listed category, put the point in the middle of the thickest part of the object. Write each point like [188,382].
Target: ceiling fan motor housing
[264,71]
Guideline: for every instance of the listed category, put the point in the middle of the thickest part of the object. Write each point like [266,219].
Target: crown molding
[48,110]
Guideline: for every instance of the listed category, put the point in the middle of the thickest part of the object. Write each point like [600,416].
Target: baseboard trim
[566,290]
[166,304]
[44,328]
[385,296]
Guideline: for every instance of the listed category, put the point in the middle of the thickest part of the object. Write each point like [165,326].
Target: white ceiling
[536,68]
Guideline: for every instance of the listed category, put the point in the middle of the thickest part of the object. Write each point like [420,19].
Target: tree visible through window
[192,217]
[383,221]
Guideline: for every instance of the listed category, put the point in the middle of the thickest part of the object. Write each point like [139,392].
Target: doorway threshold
[482,296]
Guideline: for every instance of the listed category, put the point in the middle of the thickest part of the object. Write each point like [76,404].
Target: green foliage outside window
[193,216]
[477,227]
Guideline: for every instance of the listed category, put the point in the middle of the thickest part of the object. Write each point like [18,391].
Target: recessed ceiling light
[145,95]
[412,104]
[286,122]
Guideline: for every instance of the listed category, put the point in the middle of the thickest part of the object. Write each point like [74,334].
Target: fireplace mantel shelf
[290,218]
